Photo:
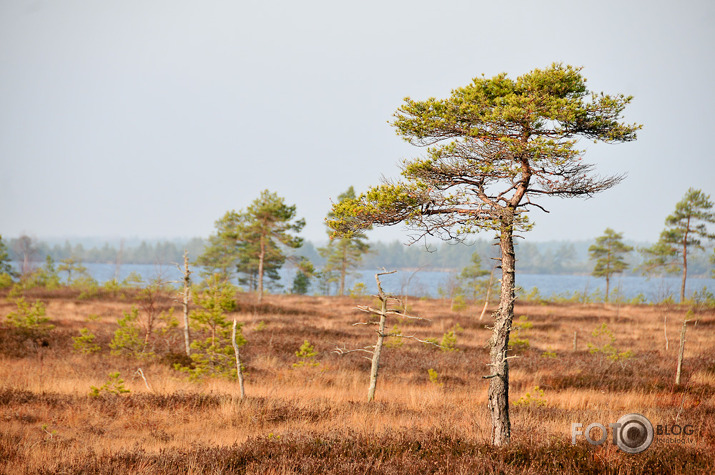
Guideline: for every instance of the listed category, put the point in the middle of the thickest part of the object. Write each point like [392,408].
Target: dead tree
[383,312]
[489,292]
[186,296]
[681,352]
[239,368]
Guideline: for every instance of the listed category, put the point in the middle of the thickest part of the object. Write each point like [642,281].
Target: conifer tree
[344,253]
[494,147]
[684,231]
[253,242]
[5,266]
[608,252]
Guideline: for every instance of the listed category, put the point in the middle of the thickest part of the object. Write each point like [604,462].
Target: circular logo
[634,433]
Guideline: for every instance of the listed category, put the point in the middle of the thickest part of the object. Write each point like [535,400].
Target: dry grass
[311,420]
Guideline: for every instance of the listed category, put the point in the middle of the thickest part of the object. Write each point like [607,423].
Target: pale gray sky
[153,118]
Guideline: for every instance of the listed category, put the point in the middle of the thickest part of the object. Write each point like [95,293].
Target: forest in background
[548,257]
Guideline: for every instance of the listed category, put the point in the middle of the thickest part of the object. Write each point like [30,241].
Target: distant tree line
[146,252]
[550,257]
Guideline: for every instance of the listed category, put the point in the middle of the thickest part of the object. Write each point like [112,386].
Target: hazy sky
[153,118]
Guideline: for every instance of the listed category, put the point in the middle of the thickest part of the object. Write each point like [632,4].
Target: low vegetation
[70,404]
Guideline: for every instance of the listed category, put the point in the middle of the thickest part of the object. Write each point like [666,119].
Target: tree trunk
[378,346]
[680,353]
[239,369]
[499,343]
[685,269]
[261,257]
[187,291]
[608,284]
[343,270]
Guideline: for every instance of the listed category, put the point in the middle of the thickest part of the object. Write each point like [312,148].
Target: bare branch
[344,351]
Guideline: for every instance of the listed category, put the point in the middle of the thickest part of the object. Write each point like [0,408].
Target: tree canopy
[493,146]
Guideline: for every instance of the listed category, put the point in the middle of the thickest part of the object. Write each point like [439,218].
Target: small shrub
[518,338]
[533,398]
[127,338]
[6,281]
[358,290]
[458,303]
[30,320]
[84,343]
[395,340]
[434,377]
[44,277]
[604,344]
[548,354]
[449,339]
[114,385]
[702,298]
[534,295]
[306,355]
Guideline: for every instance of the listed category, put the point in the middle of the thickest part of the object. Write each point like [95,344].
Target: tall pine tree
[684,231]
[254,242]
[495,146]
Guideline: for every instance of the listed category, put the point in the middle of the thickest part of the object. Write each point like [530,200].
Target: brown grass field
[317,419]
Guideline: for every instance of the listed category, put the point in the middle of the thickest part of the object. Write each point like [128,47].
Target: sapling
[30,320]
[113,385]
[306,355]
[84,343]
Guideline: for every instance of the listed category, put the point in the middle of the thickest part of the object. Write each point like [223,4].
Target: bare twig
[146,383]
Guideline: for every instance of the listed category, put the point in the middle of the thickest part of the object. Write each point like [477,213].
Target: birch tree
[494,147]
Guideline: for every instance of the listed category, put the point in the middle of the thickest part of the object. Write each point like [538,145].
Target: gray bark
[380,340]
[499,343]
[680,353]
[239,369]
[185,302]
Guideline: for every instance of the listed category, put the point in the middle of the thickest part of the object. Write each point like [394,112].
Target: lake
[427,283]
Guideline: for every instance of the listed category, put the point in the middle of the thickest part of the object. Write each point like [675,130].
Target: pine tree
[344,253]
[5,266]
[684,231]
[263,232]
[608,252]
[471,277]
[253,242]
[494,147]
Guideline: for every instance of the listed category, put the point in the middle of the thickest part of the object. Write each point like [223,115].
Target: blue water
[427,283]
